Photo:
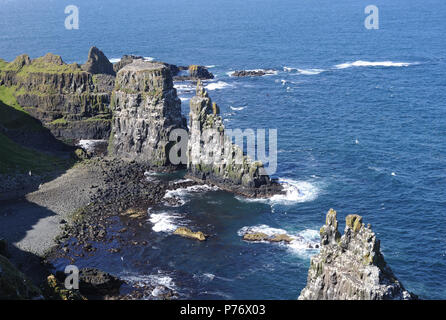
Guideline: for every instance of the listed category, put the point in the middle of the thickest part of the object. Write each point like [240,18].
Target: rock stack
[351,267]
[146,109]
[213,158]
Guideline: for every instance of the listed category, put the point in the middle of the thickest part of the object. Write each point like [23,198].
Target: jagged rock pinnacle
[351,267]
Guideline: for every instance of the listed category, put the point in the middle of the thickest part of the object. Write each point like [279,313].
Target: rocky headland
[351,266]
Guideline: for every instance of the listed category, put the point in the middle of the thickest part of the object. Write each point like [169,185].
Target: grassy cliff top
[49,63]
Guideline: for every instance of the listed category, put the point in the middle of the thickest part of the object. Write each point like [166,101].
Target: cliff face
[215,159]
[68,100]
[146,109]
[351,267]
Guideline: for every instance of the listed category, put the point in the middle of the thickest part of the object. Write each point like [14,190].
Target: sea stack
[146,109]
[98,63]
[351,266]
[213,158]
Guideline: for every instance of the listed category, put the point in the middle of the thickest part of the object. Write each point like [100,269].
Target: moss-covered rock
[187,233]
[54,290]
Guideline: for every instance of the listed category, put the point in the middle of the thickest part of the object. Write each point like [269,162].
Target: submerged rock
[260,236]
[187,233]
[351,267]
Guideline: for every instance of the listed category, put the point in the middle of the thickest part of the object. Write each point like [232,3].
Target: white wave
[115,60]
[306,243]
[159,281]
[295,191]
[164,221]
[184,99]
[149,58]
[211,66]
[263,228]
[289,69]
[181,194]
[303,243]
[310,72]
[183,181]
[237,108]
[361,63]
[218,85]
[89,144]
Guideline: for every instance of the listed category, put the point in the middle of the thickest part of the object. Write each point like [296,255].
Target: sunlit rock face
[351,266]
[146,109]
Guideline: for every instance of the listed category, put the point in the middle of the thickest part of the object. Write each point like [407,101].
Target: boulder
[255,236]
[200,72]
[187,233]
[97,283]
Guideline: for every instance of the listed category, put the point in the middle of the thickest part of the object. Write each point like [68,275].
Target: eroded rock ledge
[213,158]
[351,267]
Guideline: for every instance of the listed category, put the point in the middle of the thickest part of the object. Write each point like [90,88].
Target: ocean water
[361,121]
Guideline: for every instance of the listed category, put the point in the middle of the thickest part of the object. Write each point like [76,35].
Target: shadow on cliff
[29,153]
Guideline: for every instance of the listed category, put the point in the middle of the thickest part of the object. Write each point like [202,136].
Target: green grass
[59,121]
[12,115]
[15,158]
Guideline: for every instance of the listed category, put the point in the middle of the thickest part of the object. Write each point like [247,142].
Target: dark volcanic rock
[200,72]
[98,63]
[94,282]
[146,110]
[351,267]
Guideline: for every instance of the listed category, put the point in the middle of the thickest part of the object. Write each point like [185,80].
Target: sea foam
[304,243]
[295,191]
[218,85]
[361,63]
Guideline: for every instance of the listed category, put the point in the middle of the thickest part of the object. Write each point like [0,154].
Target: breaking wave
[361,63]
[295,191]
[181,194]
[305,243]
[217,85]
[165,221]
[237,108]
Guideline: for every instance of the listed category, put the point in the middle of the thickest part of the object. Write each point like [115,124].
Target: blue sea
[360,114]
